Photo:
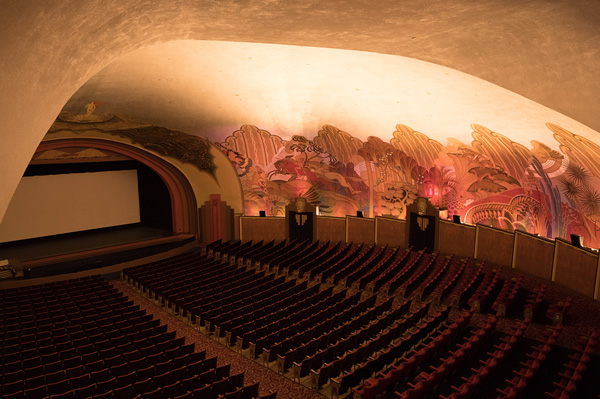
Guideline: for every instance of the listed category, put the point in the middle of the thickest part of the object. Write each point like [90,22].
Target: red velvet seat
[368,390]
[8,388]
[81,380]
[117,368]
[84,391]
[100,375]
[143,386]
[106,385]
[59,387]
[125,391]
[160,380]
[97,365]
[35,393]
[204,393]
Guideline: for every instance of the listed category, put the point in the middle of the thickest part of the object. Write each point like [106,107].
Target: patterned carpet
[269,380]
[582,318]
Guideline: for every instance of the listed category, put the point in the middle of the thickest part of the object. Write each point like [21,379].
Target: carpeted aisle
[269,380]
[583,317]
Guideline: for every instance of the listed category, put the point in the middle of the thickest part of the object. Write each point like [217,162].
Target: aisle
[269,380]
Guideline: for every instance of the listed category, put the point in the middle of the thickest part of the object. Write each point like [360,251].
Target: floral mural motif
[492,180]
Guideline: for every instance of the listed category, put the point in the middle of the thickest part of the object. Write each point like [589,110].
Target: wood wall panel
[360,230]
[458,239]
[575,268]
[597,292]
[390,231]
[557,260]
[257,228]
[236,227]
[533,255]
[331,229]
[494,245]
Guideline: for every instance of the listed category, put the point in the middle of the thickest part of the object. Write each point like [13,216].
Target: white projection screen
[55,204]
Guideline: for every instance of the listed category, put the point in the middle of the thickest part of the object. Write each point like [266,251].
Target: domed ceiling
[354,130]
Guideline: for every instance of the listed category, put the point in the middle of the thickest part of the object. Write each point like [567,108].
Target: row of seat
[203,309]
[383,349]
[412,349]
[390,261]
[414,273]
[268,335]
[507,294]
[175,262]
[402,357]
[431,280]
[284,318]
[97,343]
[401,265]
[473,379]
[377,258]
[257,251]
[444,263]
[300,267]
[449,282]
[293,258]
[426,381]
[483,293]
[254,306]
[243,248]
[426,269]
[467,286]
[268,340]
[350,264]
[265,340]
[270,260]
[533,360]
[348,336]
[534,301]
[235,325]
[327,268]
[404,276]
[357,265]
[324,334]
[215,289]
[572,372]
[556,312]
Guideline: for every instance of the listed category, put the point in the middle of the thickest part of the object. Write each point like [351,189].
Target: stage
[68,253]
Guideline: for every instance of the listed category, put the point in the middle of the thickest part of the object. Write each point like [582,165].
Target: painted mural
[492,180]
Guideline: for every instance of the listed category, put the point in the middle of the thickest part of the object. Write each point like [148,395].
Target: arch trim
[183,201]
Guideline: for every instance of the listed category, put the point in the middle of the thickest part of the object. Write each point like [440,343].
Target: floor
[269,380]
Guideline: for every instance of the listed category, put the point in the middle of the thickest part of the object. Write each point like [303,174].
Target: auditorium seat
[335,333]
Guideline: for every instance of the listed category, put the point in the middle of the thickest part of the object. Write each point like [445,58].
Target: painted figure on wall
[492,180]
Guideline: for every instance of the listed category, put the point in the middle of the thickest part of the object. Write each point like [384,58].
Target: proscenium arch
[183,201]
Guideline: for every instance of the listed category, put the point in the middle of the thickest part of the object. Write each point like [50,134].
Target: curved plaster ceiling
[212,88]
[547,52]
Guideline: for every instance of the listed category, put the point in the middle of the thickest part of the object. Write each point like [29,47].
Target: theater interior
[261,199]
